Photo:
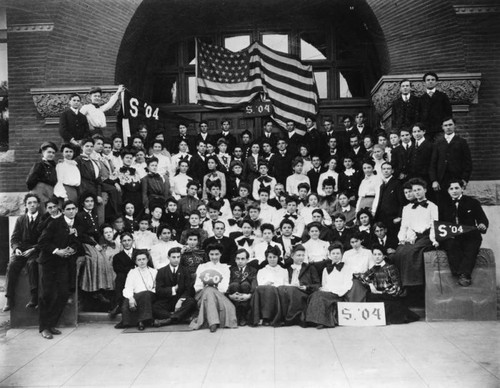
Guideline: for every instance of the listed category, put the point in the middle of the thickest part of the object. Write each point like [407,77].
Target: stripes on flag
[227,80]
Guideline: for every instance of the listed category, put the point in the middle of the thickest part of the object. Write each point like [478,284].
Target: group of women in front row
[277,294]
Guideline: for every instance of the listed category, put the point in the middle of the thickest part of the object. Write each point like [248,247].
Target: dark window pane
[313,46]
[351,84]
[165,89]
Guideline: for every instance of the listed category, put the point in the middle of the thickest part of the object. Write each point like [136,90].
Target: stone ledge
[51,102]
[486,192]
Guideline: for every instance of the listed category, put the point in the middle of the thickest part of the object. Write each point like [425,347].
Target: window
[313,46]
[278,42]
[192,91]
[351,84]
[237,43]
[321,78]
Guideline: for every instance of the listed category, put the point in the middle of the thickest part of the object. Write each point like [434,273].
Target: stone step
[89,317]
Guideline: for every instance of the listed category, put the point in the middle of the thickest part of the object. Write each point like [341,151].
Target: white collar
[290,134]
[449,137]
[69,221]
[174,269]
[225,133]
[33,216]
[419,142]
[297,266]
[347,208]
[75,111]
[431,91]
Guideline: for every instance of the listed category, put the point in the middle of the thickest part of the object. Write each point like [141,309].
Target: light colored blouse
[337,282]
[277,275]
[67,174]
[140,280]
[144,240]
[369,187]
[159,253]
[224,271]
[418,220]
[358,261]
[293,181]
[316,250]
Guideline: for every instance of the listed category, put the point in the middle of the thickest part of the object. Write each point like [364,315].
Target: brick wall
[81,50]
[87,37]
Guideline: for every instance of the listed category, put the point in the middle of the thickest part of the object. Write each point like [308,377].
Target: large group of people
[220,231]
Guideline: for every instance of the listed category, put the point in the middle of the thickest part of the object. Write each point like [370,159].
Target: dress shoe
[120,325]
[31,305]
[265,322]
[242,322]
[54,331]
[319,327]
[464,280]
[140,326]
[46,334]
[114,312]
[213,328]
[101,298]
[162,322]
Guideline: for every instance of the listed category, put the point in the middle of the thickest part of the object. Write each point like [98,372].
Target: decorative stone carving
[51,102]
[475,9]
[461,88]
[11,204]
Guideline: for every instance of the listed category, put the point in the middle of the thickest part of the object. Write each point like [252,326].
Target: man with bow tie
[361,127]
[433,106]
[24,243]
[73,125]
[451,159]
[59,244]
[404,107]
[462,250]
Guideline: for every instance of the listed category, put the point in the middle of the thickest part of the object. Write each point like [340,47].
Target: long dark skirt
[357,293]
[409,259]
[293,303]
[395,311]
[322,308]
[214,309]
[266,305]
[144,310]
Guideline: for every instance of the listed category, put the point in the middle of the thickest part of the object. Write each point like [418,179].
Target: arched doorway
[343,43]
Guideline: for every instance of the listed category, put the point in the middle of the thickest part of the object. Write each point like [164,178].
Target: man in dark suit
[340,232]
[267,135]
[242,284]
[228,245]
[24,243]
[451,159]
[181,136]
[462,250]
[357,151]
[59,244]
[391,199]
[225,134]
[123,262]
[282,162]
[203,134]
[361,127]
[383,239]
[293,139]
[404,108]
[420,154]
[433,106]
[174,292]
[400,156]
[73,125]
[314,173]
[312,138]
[198,165]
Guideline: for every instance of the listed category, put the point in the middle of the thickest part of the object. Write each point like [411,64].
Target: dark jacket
[450,161]
[228,245]
[248,275]
[469,212]
[25,236]
[165,281]
[404,114]
[432,110]
[42,172]
[308,276]
[390,202]
[420,160]
[73,126]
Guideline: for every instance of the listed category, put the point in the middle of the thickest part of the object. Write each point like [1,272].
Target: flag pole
[196,66]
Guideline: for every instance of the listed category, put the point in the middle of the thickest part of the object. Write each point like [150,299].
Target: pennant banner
[446,230]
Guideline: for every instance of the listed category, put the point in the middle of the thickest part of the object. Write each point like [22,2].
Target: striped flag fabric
[227,79]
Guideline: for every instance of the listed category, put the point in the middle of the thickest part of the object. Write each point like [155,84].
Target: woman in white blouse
[265,301]
[416,235]
[159,251]
[139,293]
[316,249]
[68,175]
[369,189]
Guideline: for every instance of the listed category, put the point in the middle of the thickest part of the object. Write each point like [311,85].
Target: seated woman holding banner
[385,286]
[212,282]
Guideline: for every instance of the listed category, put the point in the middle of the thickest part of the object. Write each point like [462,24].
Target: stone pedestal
[445,300]
[20,316]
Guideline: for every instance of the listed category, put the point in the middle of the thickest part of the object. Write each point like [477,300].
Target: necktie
[457,203]
[382,242]
[295,276]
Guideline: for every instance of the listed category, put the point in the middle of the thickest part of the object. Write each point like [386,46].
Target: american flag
[229,79]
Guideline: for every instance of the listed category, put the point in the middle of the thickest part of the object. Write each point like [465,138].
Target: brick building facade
[56,47]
